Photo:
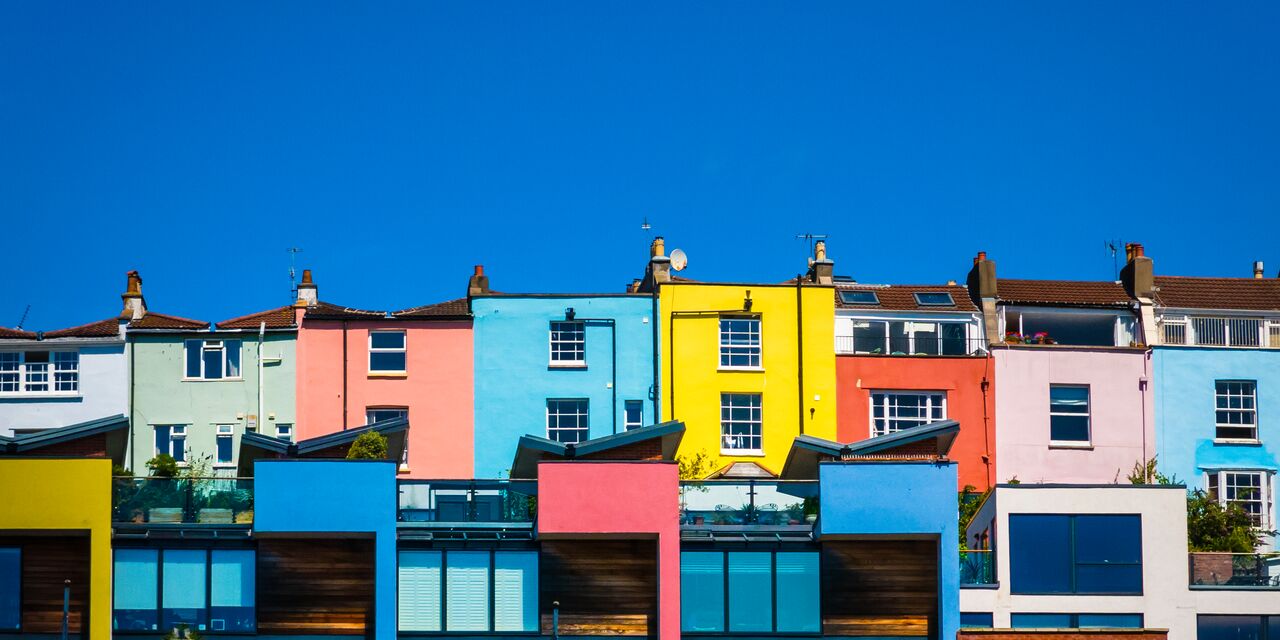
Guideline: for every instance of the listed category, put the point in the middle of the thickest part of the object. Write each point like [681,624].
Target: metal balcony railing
[468,501]
[977,567]
[748,503]
[1235,570]
[1209,331]
[218,501]
[907,346]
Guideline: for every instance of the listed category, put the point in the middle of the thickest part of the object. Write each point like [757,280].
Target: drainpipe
[800,351]
[344,375]
[262,330]
[657,371]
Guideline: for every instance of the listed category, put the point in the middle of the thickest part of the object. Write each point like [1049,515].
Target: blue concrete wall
[513,379]
[896,498]
[1184,405]
[335,496]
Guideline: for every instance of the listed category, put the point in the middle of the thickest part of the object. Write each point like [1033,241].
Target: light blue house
[565,367]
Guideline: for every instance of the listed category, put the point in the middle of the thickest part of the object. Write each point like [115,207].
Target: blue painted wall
[1184,404]
[339,497]
[897,498]
[513,379]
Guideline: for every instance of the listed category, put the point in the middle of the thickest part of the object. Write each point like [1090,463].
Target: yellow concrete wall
[691,347]
[65,494]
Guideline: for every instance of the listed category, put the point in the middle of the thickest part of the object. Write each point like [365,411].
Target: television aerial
[679,260]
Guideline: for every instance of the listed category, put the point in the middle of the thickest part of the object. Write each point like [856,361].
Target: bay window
[468,591]
[39,372]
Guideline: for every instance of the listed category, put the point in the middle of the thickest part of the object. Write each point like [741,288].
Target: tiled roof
[326,311]
[1251,294]
[278,318]
[449,309]
[6,332]
[901,297]
[1063,292]
[108,328]
[155,320]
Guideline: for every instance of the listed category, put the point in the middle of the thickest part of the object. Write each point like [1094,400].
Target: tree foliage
[695,466]
[1214,526]
[370,445]
[970,501]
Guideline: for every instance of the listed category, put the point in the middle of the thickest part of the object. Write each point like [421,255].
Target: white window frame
[15,371]
[909,330]
[177,434]
[584,424]
[369,411]
[754,352]
[227,431]
[403,348]
[1088,415]
[1251,410]
[284,432]
[887,405]
[572,342]
[626,424]
[1216,483]
[214,344]
[731,444]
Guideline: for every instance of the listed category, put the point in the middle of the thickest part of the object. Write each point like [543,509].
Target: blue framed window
[467,591]
[1076,621]
[1082,554]
[10,588]
[210,590]
[1209,627]
[976,620]
[749,592]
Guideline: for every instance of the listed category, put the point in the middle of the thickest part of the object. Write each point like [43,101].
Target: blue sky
[400,143]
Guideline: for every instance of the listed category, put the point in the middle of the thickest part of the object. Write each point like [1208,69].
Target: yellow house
[746,367]
[56,525]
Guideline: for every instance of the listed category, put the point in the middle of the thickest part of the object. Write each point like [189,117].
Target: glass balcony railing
[1235,570]
[748,503]
[182,500]
[977,567]
[467,501]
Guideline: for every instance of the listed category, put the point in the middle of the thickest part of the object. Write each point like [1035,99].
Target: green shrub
[370,445]
[163,466]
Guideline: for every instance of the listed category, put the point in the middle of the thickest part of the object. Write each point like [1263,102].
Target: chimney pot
[657,247]
[1137,250]
[479,282]
[479,270]
[1258,269]
[135,306]
[982,255]
[307,291]
[821,269]
[306,276]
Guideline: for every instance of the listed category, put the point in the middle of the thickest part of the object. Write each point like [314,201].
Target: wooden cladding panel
[605,587]
[880,588]
[46,562]
[315,586]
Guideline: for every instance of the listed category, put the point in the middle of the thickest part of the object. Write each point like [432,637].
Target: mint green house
[197,388]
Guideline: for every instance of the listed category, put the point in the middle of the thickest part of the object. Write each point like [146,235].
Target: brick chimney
[820,268]
[135,306]
[1138,274]
[307,293]
[1257,270]
[478,285]
[659,264]
[982,285]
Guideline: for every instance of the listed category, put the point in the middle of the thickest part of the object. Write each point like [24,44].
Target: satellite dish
[679,260]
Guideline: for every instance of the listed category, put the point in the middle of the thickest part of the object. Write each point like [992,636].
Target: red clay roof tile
[108,328]
[1063,292]
[1246,294]
[155,320]
[278,318]
[901,297]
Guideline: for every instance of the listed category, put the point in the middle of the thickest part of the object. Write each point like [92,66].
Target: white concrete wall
[104,388]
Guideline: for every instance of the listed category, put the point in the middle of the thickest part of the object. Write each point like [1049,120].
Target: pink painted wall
[1120,413]
[612,499]
[437,389]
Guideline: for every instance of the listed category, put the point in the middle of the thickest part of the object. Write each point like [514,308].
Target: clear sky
[398,144]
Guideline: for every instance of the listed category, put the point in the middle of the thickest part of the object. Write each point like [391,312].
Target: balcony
[909,344]
[173,501]
[1245,571]
[468,502]
[1207,331]
[746,506]
[977,568]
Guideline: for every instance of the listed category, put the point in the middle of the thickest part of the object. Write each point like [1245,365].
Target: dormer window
[859,297]
[39,372]
[934,299]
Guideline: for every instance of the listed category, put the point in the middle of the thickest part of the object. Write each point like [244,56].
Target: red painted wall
[586,499]
[960,377]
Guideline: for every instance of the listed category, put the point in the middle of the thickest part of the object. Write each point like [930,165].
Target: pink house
[356,367]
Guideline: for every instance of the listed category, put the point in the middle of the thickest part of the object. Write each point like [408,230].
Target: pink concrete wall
[437,389]
[1120,413]
[619,499]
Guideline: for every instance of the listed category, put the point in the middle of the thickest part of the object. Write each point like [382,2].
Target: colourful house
[1074,402]
[197,388]
[746,367]
[571,367]
[357,367]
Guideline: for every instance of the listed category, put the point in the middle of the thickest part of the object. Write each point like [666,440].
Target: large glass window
[767,591]
[568,420]
[1236,404]
[39,372]
[568,343]
[451,591]
[212,359]
[1083,554]
[10,588]
[740,342]
[910,337]
[741,423]
[893,411]
[1210,627]
[387,351]
[1069,413]
[208,590]
[1076,621]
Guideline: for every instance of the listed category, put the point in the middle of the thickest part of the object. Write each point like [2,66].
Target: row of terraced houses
[680,458]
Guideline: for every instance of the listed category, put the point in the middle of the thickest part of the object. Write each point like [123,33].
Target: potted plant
[1013,337]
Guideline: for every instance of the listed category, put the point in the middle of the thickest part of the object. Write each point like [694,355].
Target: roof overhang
[254,446]
[807,451]
[116,429]
[533,449]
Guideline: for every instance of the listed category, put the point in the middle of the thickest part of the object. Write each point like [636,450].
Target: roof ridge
[255,313]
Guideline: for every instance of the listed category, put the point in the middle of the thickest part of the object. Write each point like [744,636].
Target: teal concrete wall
[161,396]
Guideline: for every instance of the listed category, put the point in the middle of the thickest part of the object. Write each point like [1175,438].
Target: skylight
[935,299]
[859,297]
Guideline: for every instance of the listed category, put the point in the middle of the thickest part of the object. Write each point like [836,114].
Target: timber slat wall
[880,588]
[605,587]
[315,587]
[46,562]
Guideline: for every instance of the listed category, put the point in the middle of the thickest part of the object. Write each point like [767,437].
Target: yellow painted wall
[65,494]
[691,347]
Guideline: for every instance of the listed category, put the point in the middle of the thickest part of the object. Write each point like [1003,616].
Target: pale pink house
[1075,401]
[356,367]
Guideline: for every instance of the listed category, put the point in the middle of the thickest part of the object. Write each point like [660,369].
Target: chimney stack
[659,264]
[478,285]
[821,269]
[135,306]
[307,293]
[1138,274]
[982,288]
[1257,269]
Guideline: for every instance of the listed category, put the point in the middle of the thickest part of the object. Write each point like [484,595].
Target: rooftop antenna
[644,226]
[24,317]
[809,239]
[1113,246]
[293,284]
